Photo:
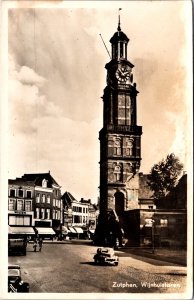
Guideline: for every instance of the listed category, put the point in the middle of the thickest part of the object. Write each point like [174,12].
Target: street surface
[69,268]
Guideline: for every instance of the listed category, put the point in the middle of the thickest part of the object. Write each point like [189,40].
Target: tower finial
[119,28]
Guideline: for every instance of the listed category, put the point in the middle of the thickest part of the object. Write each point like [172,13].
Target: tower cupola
[119,43]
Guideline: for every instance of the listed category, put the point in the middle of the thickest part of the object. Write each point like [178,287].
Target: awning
[92,231]
[78,229]
[72,230]
[65,229]
[45,230]
[21,230]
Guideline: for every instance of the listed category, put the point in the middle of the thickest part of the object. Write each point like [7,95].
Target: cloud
[57,77]
[29,76]
[45,140]
[26,102]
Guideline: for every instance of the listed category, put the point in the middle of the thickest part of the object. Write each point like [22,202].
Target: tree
[164,176]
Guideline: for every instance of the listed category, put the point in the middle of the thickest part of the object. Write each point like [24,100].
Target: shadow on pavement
[150,260]
[158,258]
[92,263]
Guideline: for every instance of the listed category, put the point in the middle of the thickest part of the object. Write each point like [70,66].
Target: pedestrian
[35,245]
[40,244]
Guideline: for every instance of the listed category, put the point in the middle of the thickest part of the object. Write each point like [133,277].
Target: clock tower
[120,137]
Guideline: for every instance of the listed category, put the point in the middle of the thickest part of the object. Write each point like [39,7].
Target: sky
[56,62]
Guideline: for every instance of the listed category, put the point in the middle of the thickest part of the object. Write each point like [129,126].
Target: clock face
[123,74]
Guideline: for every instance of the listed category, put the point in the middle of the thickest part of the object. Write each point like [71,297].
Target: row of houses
[35,202]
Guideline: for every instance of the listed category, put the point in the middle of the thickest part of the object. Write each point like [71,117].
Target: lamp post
[153,246]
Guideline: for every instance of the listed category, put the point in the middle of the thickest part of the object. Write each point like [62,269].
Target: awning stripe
[72,230]
[78,229]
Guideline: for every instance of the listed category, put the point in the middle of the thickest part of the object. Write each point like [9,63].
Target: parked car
[15,283]
[106,256]
[17,246]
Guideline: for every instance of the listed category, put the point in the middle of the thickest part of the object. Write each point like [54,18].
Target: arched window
[44,183]
[117,147]
[129,149]
[118,173]
[119,203]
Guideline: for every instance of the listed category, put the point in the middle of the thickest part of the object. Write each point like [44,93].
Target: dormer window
[44,183]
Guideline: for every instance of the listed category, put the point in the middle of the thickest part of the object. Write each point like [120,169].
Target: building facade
[93,212]
[120,137]
[79,216]
[34,200]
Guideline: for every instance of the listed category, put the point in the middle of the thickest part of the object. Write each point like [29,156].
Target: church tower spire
[119,23]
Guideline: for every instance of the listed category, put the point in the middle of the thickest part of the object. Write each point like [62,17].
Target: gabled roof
[37,178]
[68,198]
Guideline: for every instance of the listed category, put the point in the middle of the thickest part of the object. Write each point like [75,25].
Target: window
[84,210]
[19,204]
[59,215]
[117,148]
[38,198]
[163,222]
[12,193]
[48,199]
[11,204]
[53,214]
[54,202]
[42,213]
[37,213]
[129,149]
[29,194]
[28,205]
[43,198]
[20,220]
[77,219]
[44,183]
[12,220]
[20,193]
[56,213]
[48,213]
[117,172]
[121,49]
[26,220]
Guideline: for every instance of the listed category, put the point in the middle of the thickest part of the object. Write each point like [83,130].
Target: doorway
[119,203]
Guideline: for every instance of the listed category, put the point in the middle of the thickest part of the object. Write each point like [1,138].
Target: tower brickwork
[120,137]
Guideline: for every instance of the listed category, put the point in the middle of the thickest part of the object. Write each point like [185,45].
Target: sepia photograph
[96,150]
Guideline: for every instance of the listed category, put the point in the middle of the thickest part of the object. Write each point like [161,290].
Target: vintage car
[106,256]
[15,283]
[17,246]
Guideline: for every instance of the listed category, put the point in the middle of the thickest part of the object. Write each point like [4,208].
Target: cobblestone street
[69,268]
